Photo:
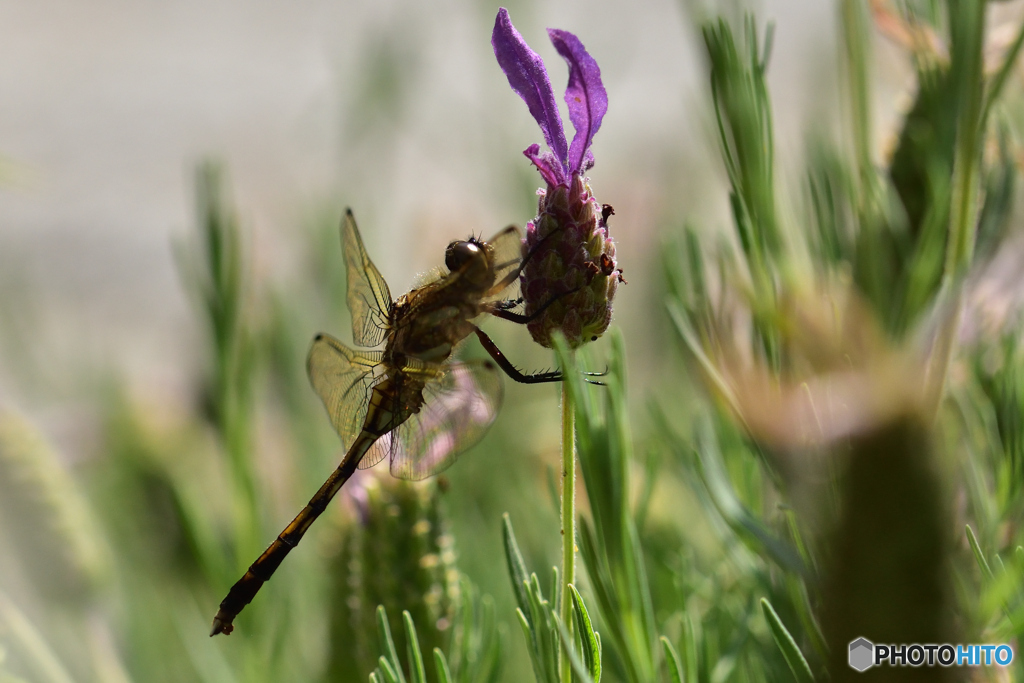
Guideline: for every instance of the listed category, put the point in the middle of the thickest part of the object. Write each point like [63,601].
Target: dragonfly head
[468,257]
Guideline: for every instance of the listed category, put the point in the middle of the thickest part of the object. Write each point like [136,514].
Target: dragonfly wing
[508,251]
[369,299]
[394,395]
[380,449]
[507,254]
[342,379]
[459,405]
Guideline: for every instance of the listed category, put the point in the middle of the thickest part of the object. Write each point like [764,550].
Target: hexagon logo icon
[862,654]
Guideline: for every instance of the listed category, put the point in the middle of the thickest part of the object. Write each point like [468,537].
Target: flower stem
[568,518]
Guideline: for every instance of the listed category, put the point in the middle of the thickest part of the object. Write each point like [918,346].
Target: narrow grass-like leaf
[732,509]
[797,664]
[691,662]
[585,629]
[605,590]
[996,83]
[374,678]
[555,587]
[416,668]
[387,644]
[546,641]
[671,661]
[710,371]
[641,593]
[978,554]
[444,674]
[489,656]
[538,666]
[391,674]
[516,567]
[566,640]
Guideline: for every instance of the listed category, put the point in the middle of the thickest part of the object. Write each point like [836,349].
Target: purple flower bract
[568,255]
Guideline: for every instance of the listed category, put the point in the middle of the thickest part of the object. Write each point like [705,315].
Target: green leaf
[416,669]
[538,667]
[555,588]
[690,648]
[978,554]
[671,661]
[566,639]
[737,515]
[516,567]
[589,639]
[387,644]
[1005,69]
[444,675]
[545,638]
[391,675]
[797,664]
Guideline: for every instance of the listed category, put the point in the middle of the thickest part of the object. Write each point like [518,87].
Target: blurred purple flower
[572,255]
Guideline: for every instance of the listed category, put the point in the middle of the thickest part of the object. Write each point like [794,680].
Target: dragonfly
[409,402]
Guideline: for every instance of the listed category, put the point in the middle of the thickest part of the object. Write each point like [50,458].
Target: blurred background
[395,109]
[144,465]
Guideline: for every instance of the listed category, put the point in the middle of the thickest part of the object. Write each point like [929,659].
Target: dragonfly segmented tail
[260,571]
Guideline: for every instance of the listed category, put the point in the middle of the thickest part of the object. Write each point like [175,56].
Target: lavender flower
[569,242]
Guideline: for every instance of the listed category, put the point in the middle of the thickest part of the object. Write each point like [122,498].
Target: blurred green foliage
[840,454]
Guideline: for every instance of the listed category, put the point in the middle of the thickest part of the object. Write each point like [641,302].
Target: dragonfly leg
[507,304]
[521,319]
[511,370]
[514,275]
[245,589]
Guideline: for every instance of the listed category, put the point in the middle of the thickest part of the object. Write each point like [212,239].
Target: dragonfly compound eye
[459,253]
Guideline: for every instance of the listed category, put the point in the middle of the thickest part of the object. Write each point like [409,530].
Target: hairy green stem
[568,518]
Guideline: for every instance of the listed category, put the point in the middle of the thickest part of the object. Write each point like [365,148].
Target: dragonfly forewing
[369,299]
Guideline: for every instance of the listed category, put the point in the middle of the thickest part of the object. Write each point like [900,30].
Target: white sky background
[106,106]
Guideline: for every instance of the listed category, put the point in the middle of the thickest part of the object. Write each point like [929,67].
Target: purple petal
[550,169]
[526,74]
[585,95]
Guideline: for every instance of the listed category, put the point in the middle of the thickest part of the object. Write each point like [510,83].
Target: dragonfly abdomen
[260,571]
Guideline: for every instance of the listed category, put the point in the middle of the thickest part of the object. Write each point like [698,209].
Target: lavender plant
[400,528]
[569,275]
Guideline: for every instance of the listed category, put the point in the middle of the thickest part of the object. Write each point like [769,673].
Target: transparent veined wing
[507,252]
[343,378]
[369,299]
[460,401]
